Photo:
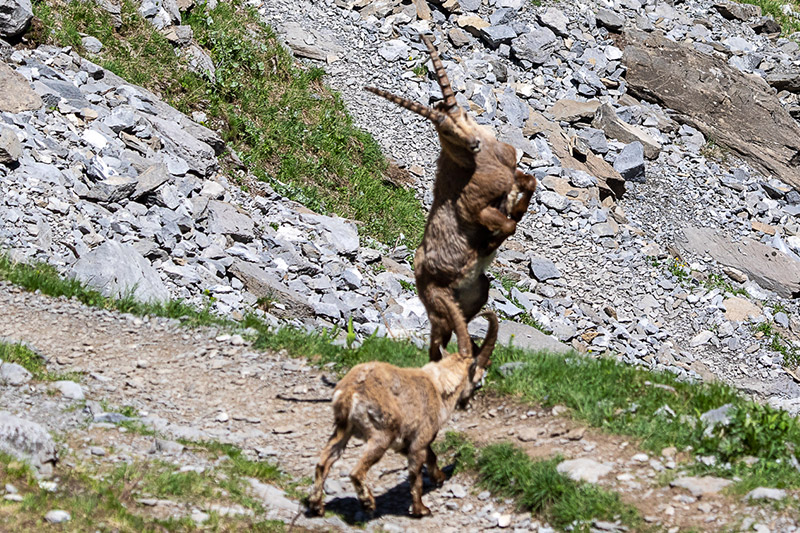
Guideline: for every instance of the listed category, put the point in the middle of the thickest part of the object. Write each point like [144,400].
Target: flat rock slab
[16,94]
[740,309]
[736,110]
[264,285]
[115,269]
[521,336]
[583,469]
[700,486]
[312,44]
[770,268]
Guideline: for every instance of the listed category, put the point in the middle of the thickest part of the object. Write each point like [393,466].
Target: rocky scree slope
[648,275]
[111,185]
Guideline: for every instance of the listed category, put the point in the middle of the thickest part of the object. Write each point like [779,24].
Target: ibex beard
[402,409]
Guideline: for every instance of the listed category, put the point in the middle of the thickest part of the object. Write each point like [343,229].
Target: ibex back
[478,198]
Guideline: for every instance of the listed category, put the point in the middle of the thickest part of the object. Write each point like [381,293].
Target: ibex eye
[476,146]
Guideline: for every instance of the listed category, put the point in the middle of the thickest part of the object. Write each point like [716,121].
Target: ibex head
[457,130]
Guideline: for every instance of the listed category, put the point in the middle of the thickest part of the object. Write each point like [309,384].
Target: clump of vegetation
[789,23]
[288,127]
[32,362]
[537,486]
[790,353]
[46,279]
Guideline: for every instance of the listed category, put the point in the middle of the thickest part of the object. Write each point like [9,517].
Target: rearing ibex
[478,198]
[402,409]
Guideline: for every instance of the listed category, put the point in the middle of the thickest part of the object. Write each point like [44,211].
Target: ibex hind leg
[375,448]
[434,471]
[416,458]
[333,450]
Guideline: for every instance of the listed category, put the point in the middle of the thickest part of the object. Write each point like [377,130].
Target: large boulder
[16,94]
[765,265]
[262,284]
[117,269]
[15,17]
[736,110]
[27,441]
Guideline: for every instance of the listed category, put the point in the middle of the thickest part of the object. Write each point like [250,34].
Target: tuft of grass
[32,362]
[774,8]
[239,464]
[45,278]
[538,487]
[790,353]
[289,128]
[320,348]
[718,281]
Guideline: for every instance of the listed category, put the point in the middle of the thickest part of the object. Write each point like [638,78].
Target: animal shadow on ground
[394,502]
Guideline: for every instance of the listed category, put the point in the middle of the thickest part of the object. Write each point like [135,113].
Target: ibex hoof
[420,511]
[316,508]
[368,505]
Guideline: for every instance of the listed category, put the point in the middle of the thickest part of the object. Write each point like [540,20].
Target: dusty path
[198,385]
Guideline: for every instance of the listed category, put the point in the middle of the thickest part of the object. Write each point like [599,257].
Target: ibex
[478,198]
[402,409]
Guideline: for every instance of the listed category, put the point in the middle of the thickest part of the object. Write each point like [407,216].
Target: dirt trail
[193,384]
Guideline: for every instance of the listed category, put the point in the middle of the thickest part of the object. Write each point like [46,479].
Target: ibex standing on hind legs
[478,198]
[402,409]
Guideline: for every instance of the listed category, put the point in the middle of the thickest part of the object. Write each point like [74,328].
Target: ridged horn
[431,114]
[485,352]
[441,75]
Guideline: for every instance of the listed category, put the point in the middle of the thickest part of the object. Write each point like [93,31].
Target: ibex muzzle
[402,409]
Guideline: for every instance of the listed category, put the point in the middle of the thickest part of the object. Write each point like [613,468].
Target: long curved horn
[482,359]
[431,114]
[441,75]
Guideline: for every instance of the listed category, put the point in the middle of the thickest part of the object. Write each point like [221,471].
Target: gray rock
[339,233]
[543,269]
[785,81]
[554,19]
[595,139]
[27,441]
[310,43]
[69,389]
[765,265]
[117,269]
[737,11]
[534,46]
[700,486]
[16,94]
[583,469]
[150,180]
[199,61]
[57,516]
[272,497]
[630,162]
[553,200]
[15,17]
[14,374]
[497,35]
[226,219]
[521,336]
[720,415]
[609,20]
[607,120]
[290,304]
[179,140]
[91,44]
[112,189]
[765,493]
[10,147]
[393,50]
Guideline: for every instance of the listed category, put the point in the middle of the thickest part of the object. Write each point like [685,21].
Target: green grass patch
[45,278]
[774,8]
[657,408]
[538,487]
[238,463]
[289,128]
[33,363]
[319,346]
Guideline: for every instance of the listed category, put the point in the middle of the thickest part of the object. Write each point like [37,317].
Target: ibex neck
[450,376]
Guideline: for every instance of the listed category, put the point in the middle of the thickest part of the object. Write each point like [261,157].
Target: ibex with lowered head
[478,198]
[402,409]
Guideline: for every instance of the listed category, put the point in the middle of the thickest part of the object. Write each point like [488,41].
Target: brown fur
[478,198]
[402,409]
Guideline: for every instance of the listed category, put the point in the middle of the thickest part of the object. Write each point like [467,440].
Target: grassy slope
[290,129]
